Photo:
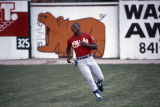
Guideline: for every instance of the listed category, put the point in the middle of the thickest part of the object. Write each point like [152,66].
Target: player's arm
[92,46]
[68,51]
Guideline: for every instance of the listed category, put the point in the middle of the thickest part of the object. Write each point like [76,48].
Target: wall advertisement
[14,31]
[139,29]
[51,27]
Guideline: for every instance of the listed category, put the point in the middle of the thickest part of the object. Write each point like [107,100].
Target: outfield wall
[125,30]
[14,31]
[139,29]
[51,33]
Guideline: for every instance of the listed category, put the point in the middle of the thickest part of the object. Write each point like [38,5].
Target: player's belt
[83,57]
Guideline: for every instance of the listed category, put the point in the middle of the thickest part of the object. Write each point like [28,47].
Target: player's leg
[86,72]
[96,71]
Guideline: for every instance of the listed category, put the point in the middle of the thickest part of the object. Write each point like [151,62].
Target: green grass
[126,85]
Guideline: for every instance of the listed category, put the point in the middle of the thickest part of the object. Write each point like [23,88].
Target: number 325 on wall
[23,43]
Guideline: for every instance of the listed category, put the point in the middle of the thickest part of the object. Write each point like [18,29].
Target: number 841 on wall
[152,47]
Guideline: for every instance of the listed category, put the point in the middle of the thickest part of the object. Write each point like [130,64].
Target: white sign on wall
[51,27]
[139,30]
[14,32]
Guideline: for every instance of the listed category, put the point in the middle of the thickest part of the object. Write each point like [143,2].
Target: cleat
[100,86]
[99,97]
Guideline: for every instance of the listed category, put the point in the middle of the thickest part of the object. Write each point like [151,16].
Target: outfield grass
[125,85]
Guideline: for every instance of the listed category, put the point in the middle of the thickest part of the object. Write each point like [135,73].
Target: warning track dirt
[63,61]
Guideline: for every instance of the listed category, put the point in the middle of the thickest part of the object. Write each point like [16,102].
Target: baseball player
[82,44]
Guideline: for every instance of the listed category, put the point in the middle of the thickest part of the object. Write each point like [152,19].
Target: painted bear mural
[58,31]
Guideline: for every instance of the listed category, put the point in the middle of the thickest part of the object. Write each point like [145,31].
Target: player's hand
[69,60]
[83,44]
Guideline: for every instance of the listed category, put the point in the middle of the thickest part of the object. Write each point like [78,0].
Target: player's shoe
[100,86]
[98,96]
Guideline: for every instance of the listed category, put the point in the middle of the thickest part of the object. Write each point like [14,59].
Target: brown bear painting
[58,31]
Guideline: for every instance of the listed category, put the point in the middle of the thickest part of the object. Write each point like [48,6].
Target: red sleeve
[91,39]
[68,43]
